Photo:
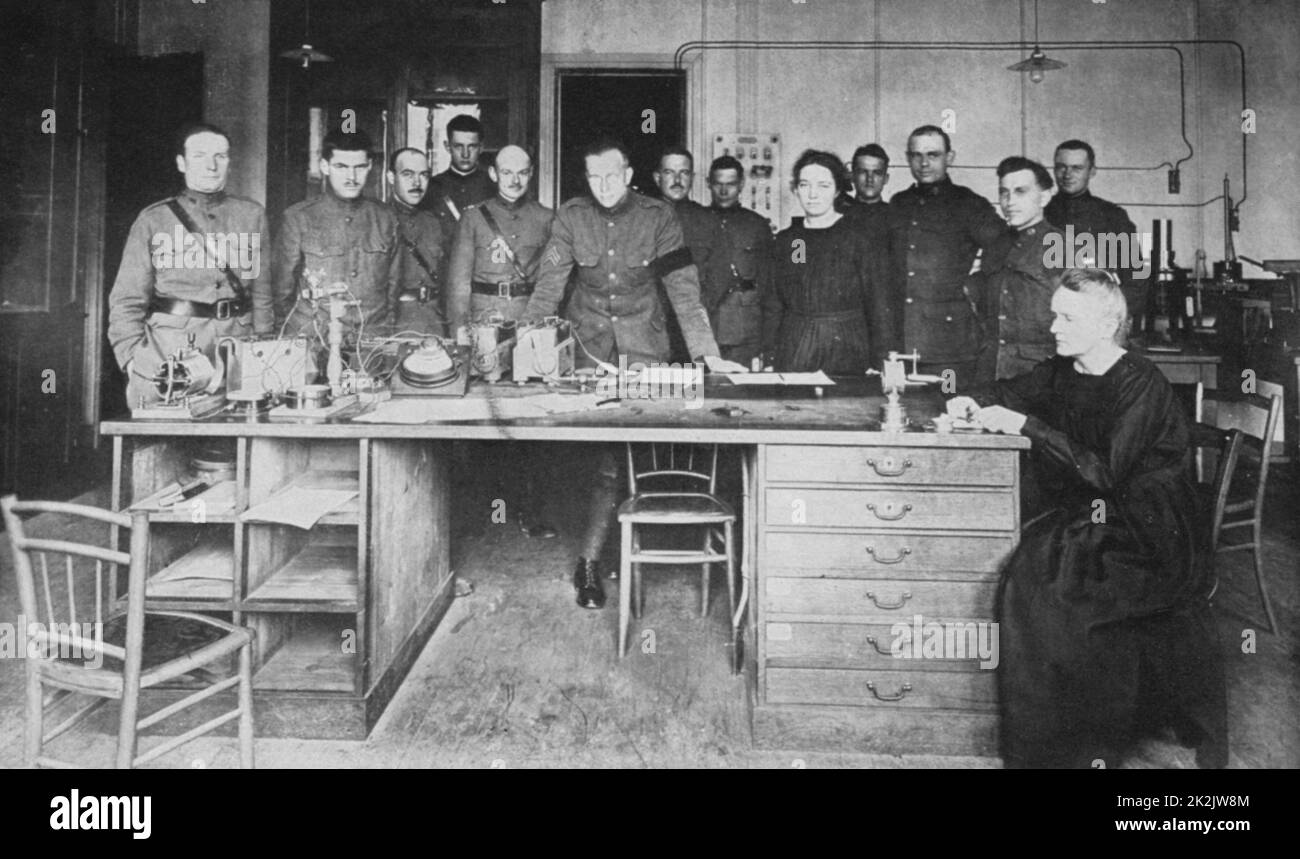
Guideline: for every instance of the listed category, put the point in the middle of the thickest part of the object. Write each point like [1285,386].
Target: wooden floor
[519,676]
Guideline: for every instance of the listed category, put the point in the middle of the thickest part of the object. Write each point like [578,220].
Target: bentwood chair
[108,647]
[672,485]
[1241,478]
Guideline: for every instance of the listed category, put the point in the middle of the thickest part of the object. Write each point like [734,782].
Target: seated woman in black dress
[1105,629]
[828,279]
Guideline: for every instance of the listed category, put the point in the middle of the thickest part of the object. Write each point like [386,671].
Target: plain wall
[233,36]
[1125,102]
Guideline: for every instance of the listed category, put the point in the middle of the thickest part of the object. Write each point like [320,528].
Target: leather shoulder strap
[188,223]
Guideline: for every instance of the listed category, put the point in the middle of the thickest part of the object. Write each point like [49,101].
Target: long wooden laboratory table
[853,530]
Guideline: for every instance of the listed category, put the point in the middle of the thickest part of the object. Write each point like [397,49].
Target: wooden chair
[684,481]
[104,669]
[1241,479]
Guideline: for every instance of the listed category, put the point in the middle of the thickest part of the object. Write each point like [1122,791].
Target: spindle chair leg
[34,723]
[246,706]
[1258,552]
[731,570]
[624,587]
[704,574]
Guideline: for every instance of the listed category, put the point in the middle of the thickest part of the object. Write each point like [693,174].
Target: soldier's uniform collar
[332,199]
[934,189]
[202,198]
[508,205]
[623,205]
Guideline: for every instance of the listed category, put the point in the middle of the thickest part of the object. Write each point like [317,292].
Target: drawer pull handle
[897,559]
[888,469]
[871,639]
[902,692]
[907,595]
[902,511]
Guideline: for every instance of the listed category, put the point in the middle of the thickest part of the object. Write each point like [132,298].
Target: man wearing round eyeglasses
[936,229]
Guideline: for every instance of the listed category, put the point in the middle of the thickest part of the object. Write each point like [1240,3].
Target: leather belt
[742,286]
[225,308]
[503,289]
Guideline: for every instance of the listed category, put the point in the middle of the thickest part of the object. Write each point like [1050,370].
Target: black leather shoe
[586,581]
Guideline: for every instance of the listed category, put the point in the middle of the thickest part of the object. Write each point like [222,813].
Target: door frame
[556,65]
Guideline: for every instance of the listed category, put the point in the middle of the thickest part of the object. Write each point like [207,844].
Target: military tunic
[697,231]
[478,256]
[935,232]
[154,265]
[333,240]
[1020,290]
[736,276]
[1089,214]
[423,230]
[462,189]
[618,253]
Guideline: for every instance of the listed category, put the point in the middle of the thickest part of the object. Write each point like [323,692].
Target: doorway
[149,99]
[596,103]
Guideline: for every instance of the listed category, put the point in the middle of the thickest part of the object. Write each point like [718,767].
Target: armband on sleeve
[671,262]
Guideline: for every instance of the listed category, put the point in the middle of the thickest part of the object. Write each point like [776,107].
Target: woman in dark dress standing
[823,308]
[1105,628]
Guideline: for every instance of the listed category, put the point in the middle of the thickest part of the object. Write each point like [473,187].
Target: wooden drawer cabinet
[876,555]
[892,508]
[853,541]
[889,690]
[877,601]
[931,466]
[855,645]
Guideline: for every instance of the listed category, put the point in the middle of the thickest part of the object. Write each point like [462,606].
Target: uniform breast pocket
[322,259]
[586,257]
[746,260]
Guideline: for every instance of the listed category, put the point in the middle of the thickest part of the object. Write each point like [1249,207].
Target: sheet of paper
[817,378]
[299,507]
[423,410]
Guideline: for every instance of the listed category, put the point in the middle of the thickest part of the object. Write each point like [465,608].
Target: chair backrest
[664,465]
[1257,418]
[1223,472]
[65,606]
[1268,389]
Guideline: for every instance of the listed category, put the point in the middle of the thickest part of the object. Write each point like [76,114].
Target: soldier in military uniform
[494,264]
[619,242]
[1020,285]
[736,273]
[192,267]
[673,176]
[462,184]
[936,228]
[1075,164]
[339,237]
[419,260]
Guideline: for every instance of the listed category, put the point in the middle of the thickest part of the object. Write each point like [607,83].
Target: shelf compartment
[205,572]
[305,653]
[219,501]
[319,573]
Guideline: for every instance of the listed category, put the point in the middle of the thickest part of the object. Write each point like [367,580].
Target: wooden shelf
[206,572]
[311,660]
[348,513]
[322,576]
[218,499]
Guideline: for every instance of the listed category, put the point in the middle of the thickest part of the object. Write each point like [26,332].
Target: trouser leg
[604,500]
